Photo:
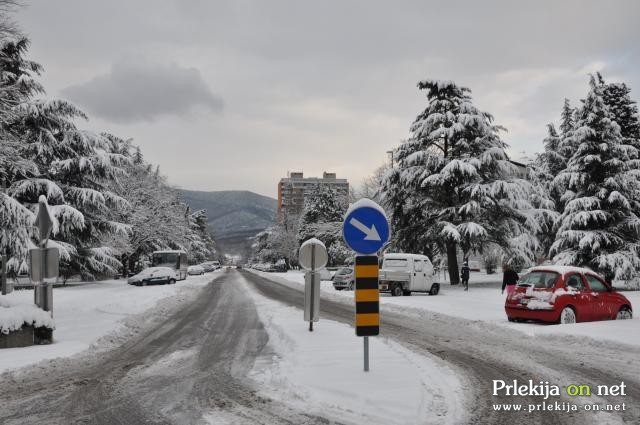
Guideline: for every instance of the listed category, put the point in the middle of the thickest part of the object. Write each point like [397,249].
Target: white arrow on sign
[371,233]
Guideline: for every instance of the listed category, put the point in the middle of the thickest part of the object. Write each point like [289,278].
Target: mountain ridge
[233,216]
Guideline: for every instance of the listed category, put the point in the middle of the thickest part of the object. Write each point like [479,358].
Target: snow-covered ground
[485,304]
[321,372]
[84,313]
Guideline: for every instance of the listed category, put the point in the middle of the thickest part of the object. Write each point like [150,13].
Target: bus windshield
[166,259]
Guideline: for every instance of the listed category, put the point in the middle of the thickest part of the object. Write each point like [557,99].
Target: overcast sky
[233,94]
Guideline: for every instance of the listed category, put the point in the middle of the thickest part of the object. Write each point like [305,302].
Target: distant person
[509,279]
[464,274]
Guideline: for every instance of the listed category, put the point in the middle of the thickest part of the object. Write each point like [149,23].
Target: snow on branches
[453,184]
[599,224]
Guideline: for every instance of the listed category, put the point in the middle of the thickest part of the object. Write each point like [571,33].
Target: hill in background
[234,216]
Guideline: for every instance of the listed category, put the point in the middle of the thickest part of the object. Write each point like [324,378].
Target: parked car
[565,295]
[195,270]
[344,279]
[154,276]
[402,274]
[208,267]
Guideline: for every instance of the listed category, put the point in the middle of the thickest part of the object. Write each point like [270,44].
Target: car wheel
[337,289]
[397,291]
[567,316]
[511,319]
[435,289]
[172,281]
[144,283]
[352,285]
[624,314]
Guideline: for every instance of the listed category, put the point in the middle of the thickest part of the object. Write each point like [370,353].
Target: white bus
[176,260]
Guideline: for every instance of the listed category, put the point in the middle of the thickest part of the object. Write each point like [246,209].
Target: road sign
[365,228]
[367,296]
[311,297]
[44,264]
[313,255]
[44,222]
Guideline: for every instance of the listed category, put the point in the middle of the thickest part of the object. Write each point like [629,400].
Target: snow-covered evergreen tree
[322,218]
[599,225]
[623,109]
[71,166]
[453,184]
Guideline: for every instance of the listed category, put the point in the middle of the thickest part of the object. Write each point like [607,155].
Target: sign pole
[313,280]
[3,274]
[44,265]
[366,353]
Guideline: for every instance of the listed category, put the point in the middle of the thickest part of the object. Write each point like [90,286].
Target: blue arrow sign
[365,228]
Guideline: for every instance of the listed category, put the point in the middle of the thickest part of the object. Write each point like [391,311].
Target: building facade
[293,190]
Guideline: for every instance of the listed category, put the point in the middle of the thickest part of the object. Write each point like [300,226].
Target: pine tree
[322,218]
[599,227]
[567,118]
[623,110]
[322,205]
[71,167]
[453,185]
[137,156]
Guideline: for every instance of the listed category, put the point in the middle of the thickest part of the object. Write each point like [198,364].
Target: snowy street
[232,348]
[481,351]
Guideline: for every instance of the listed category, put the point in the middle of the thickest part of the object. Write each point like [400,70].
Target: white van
[402,274]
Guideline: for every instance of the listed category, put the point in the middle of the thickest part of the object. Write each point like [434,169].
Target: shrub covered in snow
[14,315]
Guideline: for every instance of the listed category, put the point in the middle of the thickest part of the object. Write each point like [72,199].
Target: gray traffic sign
[44,263]
[313,255]
[44,222]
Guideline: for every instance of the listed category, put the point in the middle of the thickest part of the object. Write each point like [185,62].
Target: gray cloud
[331,84]
[142,91]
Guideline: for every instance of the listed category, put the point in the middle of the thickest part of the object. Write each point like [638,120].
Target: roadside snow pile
[87,312]
[13,315]
[321,373]
[483,304]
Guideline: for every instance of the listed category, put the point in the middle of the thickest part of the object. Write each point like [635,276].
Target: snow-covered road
[482,352]
[235,350]
[186,362]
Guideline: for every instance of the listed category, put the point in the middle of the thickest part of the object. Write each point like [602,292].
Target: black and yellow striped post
[367,298]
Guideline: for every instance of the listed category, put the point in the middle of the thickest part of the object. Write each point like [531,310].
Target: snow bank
[87,312]
[486,305]
[14,314]
[321,373]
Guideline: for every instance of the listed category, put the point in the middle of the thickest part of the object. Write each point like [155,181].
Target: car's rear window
[395,262]
[540,279]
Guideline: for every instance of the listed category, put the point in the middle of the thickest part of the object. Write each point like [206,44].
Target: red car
[565,295]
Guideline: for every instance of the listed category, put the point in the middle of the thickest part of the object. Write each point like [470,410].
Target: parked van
[402,274]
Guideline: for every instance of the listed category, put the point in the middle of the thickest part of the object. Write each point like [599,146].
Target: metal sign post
[312,257]
[3,275]
[44,267]
[366,230]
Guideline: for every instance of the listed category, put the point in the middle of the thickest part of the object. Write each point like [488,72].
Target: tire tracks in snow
[483,352]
